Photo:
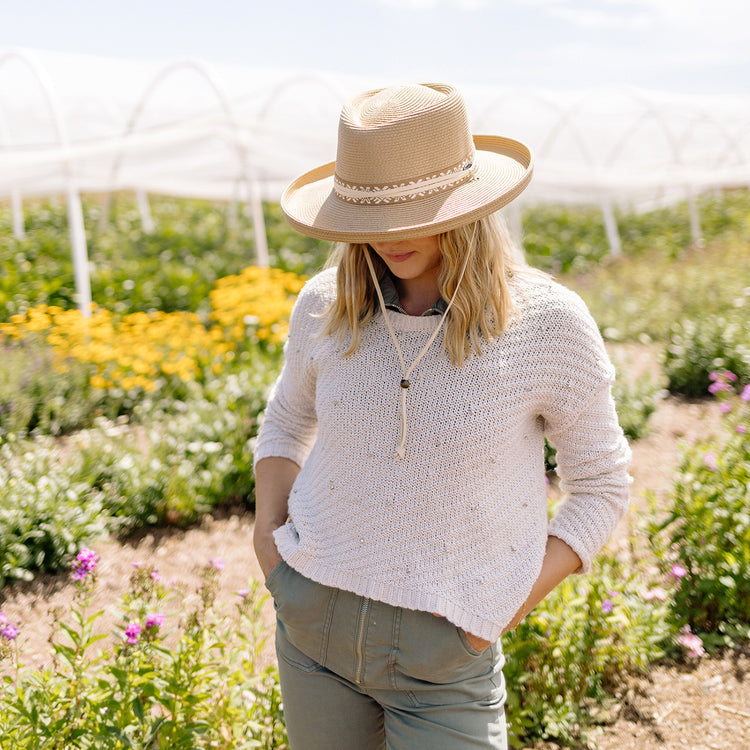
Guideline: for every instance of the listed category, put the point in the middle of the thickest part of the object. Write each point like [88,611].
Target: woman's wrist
[560,561]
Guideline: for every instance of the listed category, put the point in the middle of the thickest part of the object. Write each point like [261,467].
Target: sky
[682,46]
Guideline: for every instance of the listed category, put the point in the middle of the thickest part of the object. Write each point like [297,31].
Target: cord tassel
[401,449]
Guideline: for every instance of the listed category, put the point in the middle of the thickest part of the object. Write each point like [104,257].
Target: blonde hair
[481,309]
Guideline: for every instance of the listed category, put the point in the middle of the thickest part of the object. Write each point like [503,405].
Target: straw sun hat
[406,166]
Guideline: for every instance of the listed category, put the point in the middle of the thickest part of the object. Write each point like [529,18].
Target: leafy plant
[197,684]
[571,653]
[639,298]
[708,525]
[46,512]
[40,394]
[636,400]
[698,347]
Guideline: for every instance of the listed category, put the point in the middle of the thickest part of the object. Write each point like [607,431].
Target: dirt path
[704,708]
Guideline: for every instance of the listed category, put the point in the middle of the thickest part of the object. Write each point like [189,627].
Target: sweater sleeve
[290,424]
[581,423]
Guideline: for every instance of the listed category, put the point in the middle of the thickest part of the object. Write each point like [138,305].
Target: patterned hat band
[407,165]
[406,191]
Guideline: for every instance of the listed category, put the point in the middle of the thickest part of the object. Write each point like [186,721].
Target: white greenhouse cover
[76,124]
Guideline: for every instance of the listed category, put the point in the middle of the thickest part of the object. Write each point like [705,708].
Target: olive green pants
[357,674]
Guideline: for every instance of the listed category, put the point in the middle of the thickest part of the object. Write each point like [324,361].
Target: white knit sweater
[459,525]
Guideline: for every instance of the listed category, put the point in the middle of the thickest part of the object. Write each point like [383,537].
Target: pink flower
[217,563]
[85,563]
[7,631]
[678,571]
[133,632]
[741,429]
[725,407]
[155,576]
[10,632]
[607,606]
[154,620]
[745,395]
[710,460]
[691,642]
[243,593]
[657,593]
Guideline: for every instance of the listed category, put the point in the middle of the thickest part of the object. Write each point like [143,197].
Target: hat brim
[503,171]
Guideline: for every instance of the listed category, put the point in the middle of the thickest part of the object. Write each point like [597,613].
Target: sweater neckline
[402,322]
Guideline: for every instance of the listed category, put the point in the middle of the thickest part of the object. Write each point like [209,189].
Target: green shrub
[36,397]
[172,268]
[561,239]
[574,650]
[698,347]
[46,512]
[180,460]
[175,675]
[708,526]
[636,402]
[641,297]
[184,459]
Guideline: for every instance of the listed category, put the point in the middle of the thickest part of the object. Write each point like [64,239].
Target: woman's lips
[399,258]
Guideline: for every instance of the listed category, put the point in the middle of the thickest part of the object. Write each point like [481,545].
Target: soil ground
[705,706]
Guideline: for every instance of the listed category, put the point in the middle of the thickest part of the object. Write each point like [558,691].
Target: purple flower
[710,460]
[745,395]
[154,620]
[678,571]
[10,632]
[217,563]
[607,606]
[243,593]
[133,632]
[155,576]
[691,642]
[85,563]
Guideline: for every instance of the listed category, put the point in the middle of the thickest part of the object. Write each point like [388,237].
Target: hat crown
[400,134]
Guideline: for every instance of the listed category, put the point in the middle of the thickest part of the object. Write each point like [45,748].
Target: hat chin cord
[401,449]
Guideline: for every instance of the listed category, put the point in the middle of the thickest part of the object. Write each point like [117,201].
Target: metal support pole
[696,233]
[610,226]
[144,209]
[17,208]
[80,254]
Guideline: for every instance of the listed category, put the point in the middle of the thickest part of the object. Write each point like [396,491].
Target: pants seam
[326,635]
[393,653]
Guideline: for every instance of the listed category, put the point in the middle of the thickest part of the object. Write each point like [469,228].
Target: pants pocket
[304,608]
[432,649]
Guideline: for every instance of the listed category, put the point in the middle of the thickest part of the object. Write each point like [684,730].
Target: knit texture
[458,526]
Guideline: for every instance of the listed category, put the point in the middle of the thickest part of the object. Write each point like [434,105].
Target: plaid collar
[392,302]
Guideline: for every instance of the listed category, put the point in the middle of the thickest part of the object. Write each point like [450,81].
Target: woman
[401,513]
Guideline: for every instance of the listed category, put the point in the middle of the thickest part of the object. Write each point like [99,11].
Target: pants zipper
[359,642]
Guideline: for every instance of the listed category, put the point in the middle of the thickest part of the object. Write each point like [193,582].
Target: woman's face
[416,259]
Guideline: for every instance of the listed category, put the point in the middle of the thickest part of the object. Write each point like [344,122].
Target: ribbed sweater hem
[390,593]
